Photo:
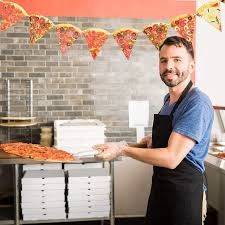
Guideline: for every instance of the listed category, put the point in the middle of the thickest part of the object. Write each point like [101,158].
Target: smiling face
[176,64]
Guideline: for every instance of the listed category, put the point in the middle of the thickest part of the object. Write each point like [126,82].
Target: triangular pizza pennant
[185,25]
[39,26]
[156,33]
[10,13]
[126,38]
[95,39]
[211,13]
[67,34]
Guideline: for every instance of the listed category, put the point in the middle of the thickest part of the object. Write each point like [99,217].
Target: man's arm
[169,157]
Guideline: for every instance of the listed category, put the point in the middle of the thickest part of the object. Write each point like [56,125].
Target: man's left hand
[111,150]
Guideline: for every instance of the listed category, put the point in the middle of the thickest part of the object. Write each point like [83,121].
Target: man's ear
[192,65]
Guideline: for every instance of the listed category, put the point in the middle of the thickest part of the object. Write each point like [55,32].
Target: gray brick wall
[74,85]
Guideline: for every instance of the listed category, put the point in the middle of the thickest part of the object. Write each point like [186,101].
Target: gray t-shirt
[193,118]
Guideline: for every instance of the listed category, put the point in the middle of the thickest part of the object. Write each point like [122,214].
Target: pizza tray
[17,118]
[18,124]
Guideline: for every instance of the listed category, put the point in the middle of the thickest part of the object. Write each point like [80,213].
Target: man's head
[176,60]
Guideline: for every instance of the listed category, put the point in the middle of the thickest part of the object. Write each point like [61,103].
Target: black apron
[176,194]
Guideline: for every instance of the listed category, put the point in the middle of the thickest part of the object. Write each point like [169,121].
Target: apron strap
[184,93]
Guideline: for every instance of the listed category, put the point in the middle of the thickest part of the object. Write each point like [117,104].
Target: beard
[180,76]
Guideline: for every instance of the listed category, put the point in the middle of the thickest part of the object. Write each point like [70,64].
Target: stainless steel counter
[215,162]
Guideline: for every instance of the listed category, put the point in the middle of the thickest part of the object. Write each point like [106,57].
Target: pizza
[10,13]
[156,33]
[221,155]
[211,13]
[126,38]
[67,34]
[39,26]
[37,152]
[185,25]
[95,39]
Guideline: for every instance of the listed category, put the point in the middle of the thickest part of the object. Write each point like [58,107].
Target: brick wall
[76,86]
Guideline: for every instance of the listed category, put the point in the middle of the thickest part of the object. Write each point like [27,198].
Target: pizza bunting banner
[126,39]
[95,39]
[67,34]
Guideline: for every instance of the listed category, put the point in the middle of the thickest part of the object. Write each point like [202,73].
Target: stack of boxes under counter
[43,193]
[88,193]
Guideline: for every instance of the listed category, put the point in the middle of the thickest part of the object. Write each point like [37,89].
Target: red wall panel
[155,9]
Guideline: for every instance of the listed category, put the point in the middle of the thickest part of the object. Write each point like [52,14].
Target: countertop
[6,158]
[215,162]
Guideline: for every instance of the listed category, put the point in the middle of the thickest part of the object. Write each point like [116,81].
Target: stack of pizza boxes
[78,135]
[43,195]
[88,193]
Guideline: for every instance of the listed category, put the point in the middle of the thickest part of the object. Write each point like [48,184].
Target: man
[180,140]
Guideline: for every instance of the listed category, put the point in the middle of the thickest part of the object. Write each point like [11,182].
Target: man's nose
[170,64]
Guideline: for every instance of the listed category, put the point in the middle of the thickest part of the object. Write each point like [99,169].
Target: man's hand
[147,140]
[111,150]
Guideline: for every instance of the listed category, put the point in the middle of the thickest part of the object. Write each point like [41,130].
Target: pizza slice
[126,38]
[67,34]
[211,13]
[39,26]
[156,33]
[10,13]
[95,39]
[185,25]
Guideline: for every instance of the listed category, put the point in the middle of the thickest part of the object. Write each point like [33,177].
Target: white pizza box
[44,216]
[87,215]
[89,191]
[44,174]
[79,124]
[43,166]
[88,185]
[98,208]
[40,193]
[79,141]
[51,198]
[84,197]
[88,203]
[83,166]
[89,173]
[43,210]
[41,187]
[53,204]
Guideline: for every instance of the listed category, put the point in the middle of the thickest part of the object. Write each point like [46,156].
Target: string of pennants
[67,34]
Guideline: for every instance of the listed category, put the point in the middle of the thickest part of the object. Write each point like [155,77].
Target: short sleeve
[194,121]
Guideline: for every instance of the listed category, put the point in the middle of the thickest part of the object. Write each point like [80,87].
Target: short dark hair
[179,41]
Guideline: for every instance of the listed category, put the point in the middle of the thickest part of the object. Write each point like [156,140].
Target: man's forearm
[138,145]
[157,157]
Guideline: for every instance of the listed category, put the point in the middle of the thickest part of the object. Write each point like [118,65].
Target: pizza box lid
[43,174]
[88,172]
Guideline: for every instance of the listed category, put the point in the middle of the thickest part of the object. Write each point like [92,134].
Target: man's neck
[175,92]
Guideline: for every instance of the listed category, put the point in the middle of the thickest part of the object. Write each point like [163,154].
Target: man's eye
[177,60]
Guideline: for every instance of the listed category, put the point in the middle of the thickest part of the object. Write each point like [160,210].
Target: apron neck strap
[184,93]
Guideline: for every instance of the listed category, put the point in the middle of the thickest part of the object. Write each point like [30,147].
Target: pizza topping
[11,13]
[95,39]
[211,13]
[39,26]
[184,25]
[126,39]
[67,34]
[35,151]
[156,33]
